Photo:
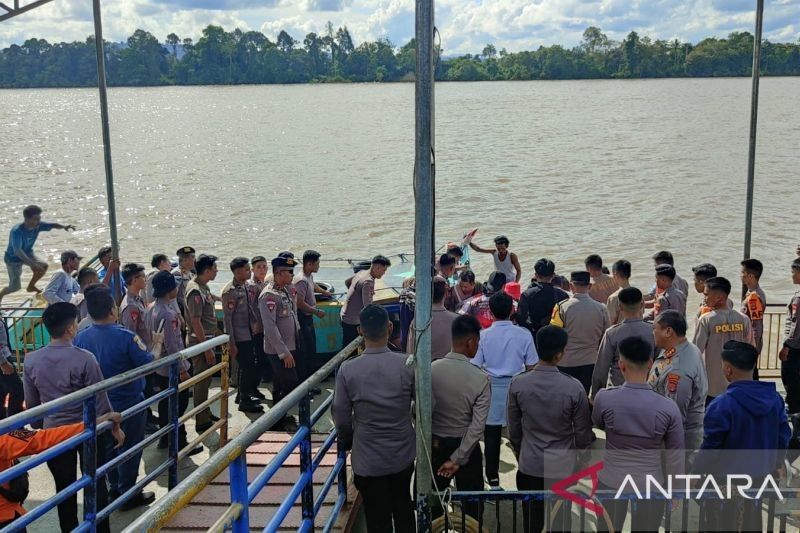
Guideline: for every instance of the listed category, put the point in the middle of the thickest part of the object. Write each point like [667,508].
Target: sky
[466,26]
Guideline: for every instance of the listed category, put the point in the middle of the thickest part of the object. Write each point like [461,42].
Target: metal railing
[769,364]
[234,457]
[93,472]
[504,511]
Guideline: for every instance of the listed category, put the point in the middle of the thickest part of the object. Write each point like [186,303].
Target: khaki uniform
[714,329]
[612,304]
[602,287]
[279,320]
[131,316]
[200,304]
[183,279]
[679,375]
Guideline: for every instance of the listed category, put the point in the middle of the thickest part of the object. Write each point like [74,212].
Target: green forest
[220,57]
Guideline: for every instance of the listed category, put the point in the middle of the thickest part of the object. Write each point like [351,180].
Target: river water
[564,169]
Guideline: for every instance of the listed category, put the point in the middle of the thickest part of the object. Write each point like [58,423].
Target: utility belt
[445,442]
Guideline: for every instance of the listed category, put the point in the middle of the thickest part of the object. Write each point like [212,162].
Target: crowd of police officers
[596,352]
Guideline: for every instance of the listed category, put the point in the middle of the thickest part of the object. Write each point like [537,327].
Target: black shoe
[151,427]
[194,451]
[250,407]
[260,395]
[287,423]
[315,391]
[238,399]
[163,443]
[143,498]
[202,428]
[214,418]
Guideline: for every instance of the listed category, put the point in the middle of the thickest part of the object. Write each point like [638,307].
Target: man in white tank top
[504,260]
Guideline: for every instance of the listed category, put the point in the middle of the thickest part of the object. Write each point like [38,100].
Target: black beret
[580,277]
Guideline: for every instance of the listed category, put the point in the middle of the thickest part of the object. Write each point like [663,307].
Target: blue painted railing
[92,472]
[233,456]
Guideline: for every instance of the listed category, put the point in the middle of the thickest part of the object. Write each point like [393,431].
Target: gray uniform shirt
[608,354]
[254,289]
[59,369]
[375,421]
[359,295]
[548,421]
[441,334]
[791,331]
[236,312]
[638,424]
[585,321]
[713,330]
[5,347]
[61,288]
[680,376]
[131,316]
[173,340]
[279,320]
[670,299]
[304,285]
[461,396]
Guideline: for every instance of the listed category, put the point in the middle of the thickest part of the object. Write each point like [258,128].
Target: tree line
[220,57]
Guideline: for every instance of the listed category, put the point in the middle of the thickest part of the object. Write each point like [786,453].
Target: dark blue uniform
[119,350]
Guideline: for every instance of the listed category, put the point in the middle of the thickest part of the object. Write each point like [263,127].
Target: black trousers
[387,501]
[248,372]
[646,515]
[163,408]
[307,352]
[63,469]
[263,367]
[737,514]
[533,514]
[469,476]
[349,333]
[492,438]
[790,376]
[11,386]
[582,373]
[284,380]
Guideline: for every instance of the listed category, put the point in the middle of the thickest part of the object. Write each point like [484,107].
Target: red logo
[560,488]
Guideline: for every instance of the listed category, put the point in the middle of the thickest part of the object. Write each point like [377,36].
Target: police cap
[283,263]
[580,277]
[163,283]
[184,251]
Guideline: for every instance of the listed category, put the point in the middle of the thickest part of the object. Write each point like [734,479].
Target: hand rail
[232,455]
[94,472]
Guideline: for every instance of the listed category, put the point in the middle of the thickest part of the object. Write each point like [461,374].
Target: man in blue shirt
[20,249]
[118,350]
[62,287]
[749,420]
[110,275]
[505,350]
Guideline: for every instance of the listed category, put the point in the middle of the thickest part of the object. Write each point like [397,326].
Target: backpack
[18,488]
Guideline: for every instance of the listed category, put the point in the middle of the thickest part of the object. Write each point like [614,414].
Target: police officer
[131,316]
[256,284]
[159,263]
[537,302]
[665,258]
[720,325]
[621,271]
[544,439]
[602,284]
[375,421]
[638,419]
[678,374]
[236,313]
[585,320]
[606,369]
[184,273]
[118,350]
[164,324]
[461,396]
[201,321]
[790,352]
[359,295]
[667,295]
[279,319]
[306,289]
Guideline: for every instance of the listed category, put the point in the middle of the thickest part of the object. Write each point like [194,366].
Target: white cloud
[465,26]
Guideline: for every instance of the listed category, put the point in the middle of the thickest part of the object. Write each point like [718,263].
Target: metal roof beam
[18,9]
